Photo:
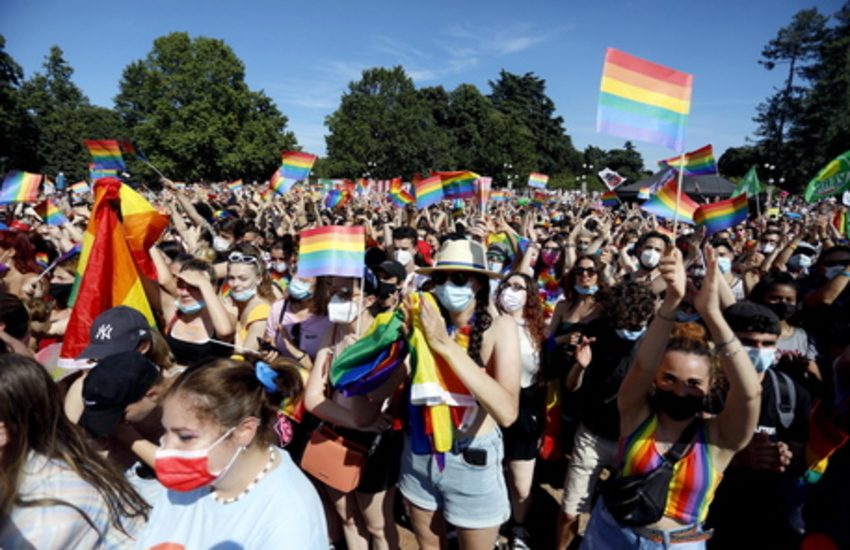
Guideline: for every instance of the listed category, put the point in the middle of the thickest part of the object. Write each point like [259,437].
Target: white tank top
[529,356]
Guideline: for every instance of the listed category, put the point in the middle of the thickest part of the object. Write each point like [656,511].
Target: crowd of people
[697,387]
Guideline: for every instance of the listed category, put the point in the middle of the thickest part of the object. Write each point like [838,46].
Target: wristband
[845,273]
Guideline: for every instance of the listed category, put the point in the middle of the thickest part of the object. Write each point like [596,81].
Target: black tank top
[189,353]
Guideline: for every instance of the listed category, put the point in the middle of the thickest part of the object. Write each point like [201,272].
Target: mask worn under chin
[243,295]
[188,309]
[649,258]
[189,470]
[724,264]
[342,311]
[683,317]
[586,291]
[677,407]
[220,244]
[403,257]
[833,271]
[631,335]
[299,290]
[511,300]
[762,358]
[783,310]
[454,298]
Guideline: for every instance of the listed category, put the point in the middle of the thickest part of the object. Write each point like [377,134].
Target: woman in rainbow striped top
[663,393]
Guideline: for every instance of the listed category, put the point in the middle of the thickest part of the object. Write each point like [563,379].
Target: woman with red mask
[227,480]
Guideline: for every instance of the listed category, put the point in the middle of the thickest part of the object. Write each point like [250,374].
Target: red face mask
[189,470]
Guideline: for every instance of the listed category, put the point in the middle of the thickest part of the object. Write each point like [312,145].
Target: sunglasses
[585,271]
[457,278]
[239,258]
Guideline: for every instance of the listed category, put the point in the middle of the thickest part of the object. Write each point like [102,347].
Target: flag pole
[678,197]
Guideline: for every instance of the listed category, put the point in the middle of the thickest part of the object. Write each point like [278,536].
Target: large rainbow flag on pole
[105,154]
[696,163]
[663,204]
[20,187]
[721,214]
[332,250]
[122,228]
[641,100]
[297,165]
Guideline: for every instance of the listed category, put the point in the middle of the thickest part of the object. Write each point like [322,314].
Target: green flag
[832,179]
[749,185]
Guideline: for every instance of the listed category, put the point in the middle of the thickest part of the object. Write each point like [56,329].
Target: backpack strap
[786,396]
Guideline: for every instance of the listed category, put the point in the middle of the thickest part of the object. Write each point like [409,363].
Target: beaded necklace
[253,483]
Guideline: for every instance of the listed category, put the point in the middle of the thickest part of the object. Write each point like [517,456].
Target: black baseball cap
[391,268]
[749,316]
[116,330]
[115,382]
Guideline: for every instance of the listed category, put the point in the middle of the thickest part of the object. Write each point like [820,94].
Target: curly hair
[692,338]
[770,280]
[482,317]
[629,304]
[568,280]
[533,312]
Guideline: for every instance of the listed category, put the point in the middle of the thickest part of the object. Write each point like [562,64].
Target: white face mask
[724,264]
[220,244]
[832,271]
[512,300]
[403,257]
[341,311]
[279,267]
[496,267]
[768,248]
[649,258]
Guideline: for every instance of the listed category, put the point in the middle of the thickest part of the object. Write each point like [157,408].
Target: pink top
[311,331]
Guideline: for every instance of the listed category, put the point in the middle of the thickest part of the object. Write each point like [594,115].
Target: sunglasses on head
[585,270]
[457,278]
[239,258]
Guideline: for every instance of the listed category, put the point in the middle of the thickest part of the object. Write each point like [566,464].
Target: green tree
[524,98]
[383,120]
[736,161]
[187,106]
[17,130]
[627,161]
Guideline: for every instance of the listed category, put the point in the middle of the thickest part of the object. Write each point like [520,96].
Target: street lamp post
[509,175]
[587,167]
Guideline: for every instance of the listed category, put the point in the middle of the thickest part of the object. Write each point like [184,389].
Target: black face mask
[675,406]
[61,292]
[783,310]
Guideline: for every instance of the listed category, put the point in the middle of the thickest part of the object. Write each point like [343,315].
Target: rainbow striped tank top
[695,477]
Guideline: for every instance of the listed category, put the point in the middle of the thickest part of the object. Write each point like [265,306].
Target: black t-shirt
[597,396]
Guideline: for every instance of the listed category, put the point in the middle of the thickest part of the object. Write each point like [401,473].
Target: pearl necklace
[253,483]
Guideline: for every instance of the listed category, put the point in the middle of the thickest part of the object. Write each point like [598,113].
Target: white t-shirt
[282,511]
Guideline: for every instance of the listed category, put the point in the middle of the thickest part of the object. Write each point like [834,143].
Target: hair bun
[689,331]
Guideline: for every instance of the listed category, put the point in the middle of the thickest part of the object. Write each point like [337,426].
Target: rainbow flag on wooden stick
[721,214]
[538,181]
[20,187]
[105,154]
[428,191]
[332,251]
[50,213]
[696,163]
[663,204]
[641,100]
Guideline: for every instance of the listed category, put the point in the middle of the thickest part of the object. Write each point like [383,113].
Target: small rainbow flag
[458,184]
[297,165]
[97,172]
[79,187]
[696,163]
[398,194]
[498,196]
[128,148]
[42,259]
[538,199]
[234,186]
[663,204]
[722,214]
[50,213]
[538,181]
[610,199]
[105,154]
[337,198]
[20,187]
[641,100]
[332,250]
[643,193]
[280,184]
[428,191]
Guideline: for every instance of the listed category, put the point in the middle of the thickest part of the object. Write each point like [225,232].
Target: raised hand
[673,272]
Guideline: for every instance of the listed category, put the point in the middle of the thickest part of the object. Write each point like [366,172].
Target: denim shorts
[471,496]
[605,533]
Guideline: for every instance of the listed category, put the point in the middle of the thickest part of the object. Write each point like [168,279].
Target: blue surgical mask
[631,335]
[762,358]
[800,262]
[189,309]
[299,290]
[833,271]
[244,295]
[589,291]
[683,317]
[454,298]
[724,264]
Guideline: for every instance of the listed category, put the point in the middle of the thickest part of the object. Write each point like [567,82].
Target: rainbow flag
[499,196]
[128,148]
[399,195]
[337,198]
[42,259]
[297,165]
[332,250]
[234,186]
[643,193]
[361,186]
[20,187]
[696,163]
[641,100]
[79,187]
[50,213]
[96,173]
[721,214]
[105,154]
[610,199]
[428,191]
[538,181]
[538,199]
[458,184]
[663,204]
[280,184]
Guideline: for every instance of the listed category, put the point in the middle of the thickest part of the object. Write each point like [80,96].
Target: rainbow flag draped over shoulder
[50,213]
[332,250]
[105,154]
[458,184]
[538,181]
[721,214]
[696,163]
[428,191]
[20,187]
[641,100]
[663,204]
[610,199]
[108,273]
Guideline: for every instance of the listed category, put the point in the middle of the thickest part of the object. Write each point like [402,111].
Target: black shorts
[384,463]
[522,438]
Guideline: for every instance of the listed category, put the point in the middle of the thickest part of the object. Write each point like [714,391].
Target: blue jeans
[604,533]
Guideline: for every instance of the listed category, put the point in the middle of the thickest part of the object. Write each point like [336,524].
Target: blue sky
[304,54]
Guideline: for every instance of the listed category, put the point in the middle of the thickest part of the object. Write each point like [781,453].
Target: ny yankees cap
[116,330]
